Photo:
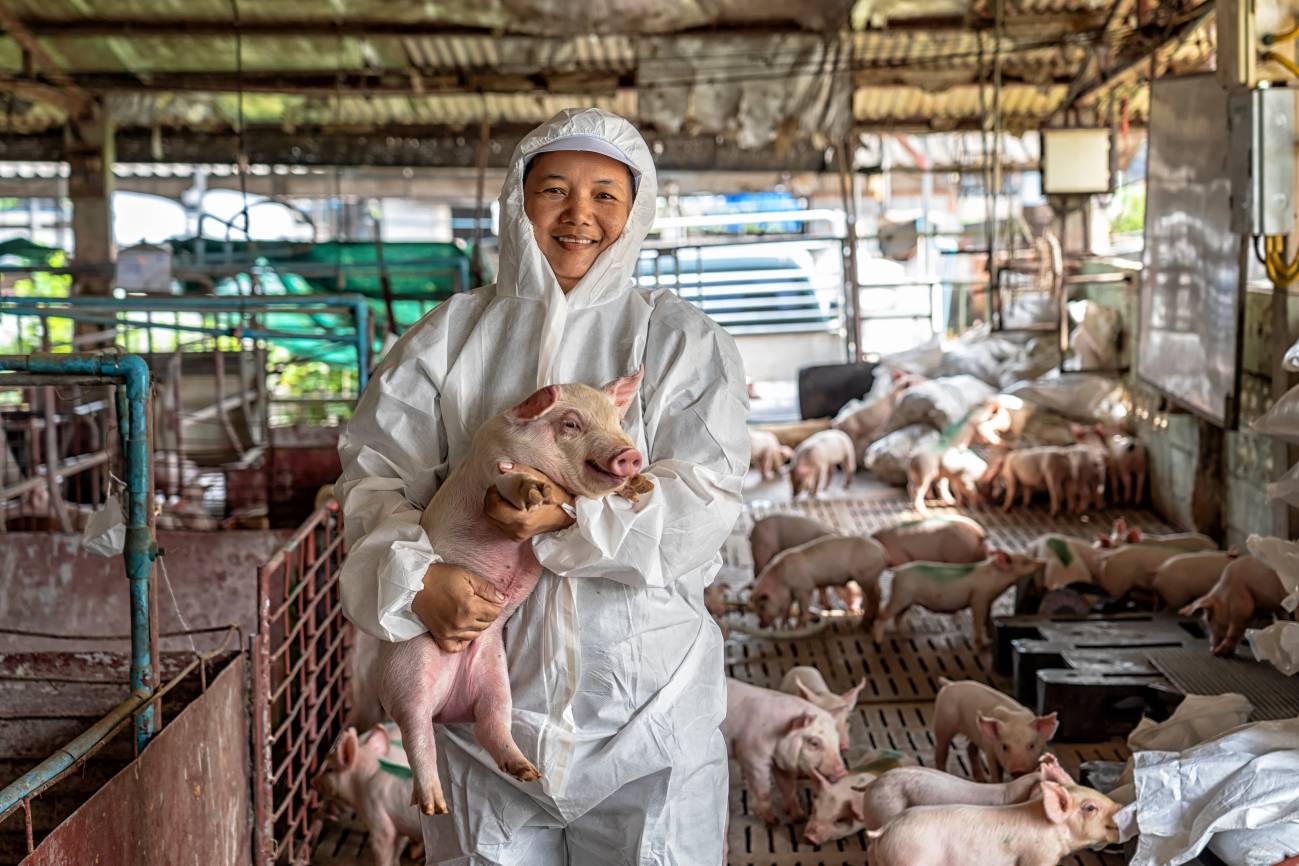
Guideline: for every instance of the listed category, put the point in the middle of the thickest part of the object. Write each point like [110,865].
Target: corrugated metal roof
[747,83]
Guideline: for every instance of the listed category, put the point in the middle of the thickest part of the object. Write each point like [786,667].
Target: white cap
[590,144]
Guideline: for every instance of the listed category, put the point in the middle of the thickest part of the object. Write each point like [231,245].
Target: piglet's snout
[626,464]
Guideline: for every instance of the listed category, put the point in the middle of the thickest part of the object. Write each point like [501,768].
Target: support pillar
[90,187]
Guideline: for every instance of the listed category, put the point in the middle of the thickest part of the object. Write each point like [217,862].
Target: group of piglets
[1074,477]
[571,433]
[916,816]
[811,465]
[1180,571]
[940,563]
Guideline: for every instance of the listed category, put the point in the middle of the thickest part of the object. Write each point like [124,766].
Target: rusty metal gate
[300,685]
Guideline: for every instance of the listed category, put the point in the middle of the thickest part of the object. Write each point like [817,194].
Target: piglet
[1027,469]
[956,471]
[1068,560]
[356,774]
[572,434]
[906,787]
[1247,586]
[1128,467]
[775,736]
[1035,833]
[1188,576]
[1134,566]
[807,683]
[949,538]
[1005,731]
[816,458]
[1184,542]
[766,454]
[948,588]
[771,535]
[863,424]
[837,809]
[794,574]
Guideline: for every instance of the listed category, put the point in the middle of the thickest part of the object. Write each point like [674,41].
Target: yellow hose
[1273,57]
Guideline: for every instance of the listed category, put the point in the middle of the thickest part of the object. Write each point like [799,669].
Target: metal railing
[300,685]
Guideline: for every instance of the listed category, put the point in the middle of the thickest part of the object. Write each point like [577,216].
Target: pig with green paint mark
[1068,560]
[948,588]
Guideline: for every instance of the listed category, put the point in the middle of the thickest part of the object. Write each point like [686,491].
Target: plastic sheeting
[998,359]
[1282,419]
[1085,397]
[1237,791]
[1278,644]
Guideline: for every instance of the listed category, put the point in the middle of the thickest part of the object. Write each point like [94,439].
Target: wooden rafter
[79,99]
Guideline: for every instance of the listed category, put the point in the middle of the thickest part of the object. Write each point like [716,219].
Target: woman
[615,666]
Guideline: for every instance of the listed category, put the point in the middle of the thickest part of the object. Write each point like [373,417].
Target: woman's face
[578,203]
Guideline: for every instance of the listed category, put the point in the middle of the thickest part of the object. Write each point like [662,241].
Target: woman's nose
[578,210]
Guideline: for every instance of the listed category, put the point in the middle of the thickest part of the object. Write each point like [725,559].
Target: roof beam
[43,61]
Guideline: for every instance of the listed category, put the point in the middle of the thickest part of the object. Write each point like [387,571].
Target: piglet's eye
[814,742]
[1089,808]
[571,424]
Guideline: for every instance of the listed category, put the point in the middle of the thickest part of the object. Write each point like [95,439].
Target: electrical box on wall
[1076,161]
[1262,124]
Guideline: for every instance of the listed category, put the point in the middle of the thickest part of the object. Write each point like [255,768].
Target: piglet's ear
[1058,803]
[990,727]
[377,739]
[1002,559]
[1046,725]
[536,404]
[347,746]
[801,722]
[623,389]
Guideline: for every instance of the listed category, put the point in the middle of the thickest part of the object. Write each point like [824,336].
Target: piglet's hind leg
[493,711]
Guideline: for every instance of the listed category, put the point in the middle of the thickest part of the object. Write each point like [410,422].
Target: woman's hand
[456,605]
[520,524]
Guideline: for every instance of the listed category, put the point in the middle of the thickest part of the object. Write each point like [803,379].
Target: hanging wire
[241,155]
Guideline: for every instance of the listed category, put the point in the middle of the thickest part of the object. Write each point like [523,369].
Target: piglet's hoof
[435,805]
[635,487]
[522,491]
[522,770]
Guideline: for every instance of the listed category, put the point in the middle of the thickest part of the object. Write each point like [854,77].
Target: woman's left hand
[520,524]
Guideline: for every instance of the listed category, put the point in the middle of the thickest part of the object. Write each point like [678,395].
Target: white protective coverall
[616,667]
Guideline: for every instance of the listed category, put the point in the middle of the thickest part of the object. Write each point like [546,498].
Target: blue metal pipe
[250,333]
[140,549]
[356,303]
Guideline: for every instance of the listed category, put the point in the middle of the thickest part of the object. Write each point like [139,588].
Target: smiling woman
[578,203]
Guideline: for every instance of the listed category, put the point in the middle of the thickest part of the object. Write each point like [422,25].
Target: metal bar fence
[300,685]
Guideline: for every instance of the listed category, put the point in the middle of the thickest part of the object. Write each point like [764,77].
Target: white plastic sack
[1197,718]
[1282,419]
[1240,785]
[1278,645]
[889,456]
[1282,557]
[938,402]
[923,360]
[105,531]
[1086,397]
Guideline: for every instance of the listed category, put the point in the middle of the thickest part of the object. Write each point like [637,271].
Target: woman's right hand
[456,605]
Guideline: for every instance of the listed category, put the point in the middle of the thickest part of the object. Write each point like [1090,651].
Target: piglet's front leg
[523,491]
[635,487]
